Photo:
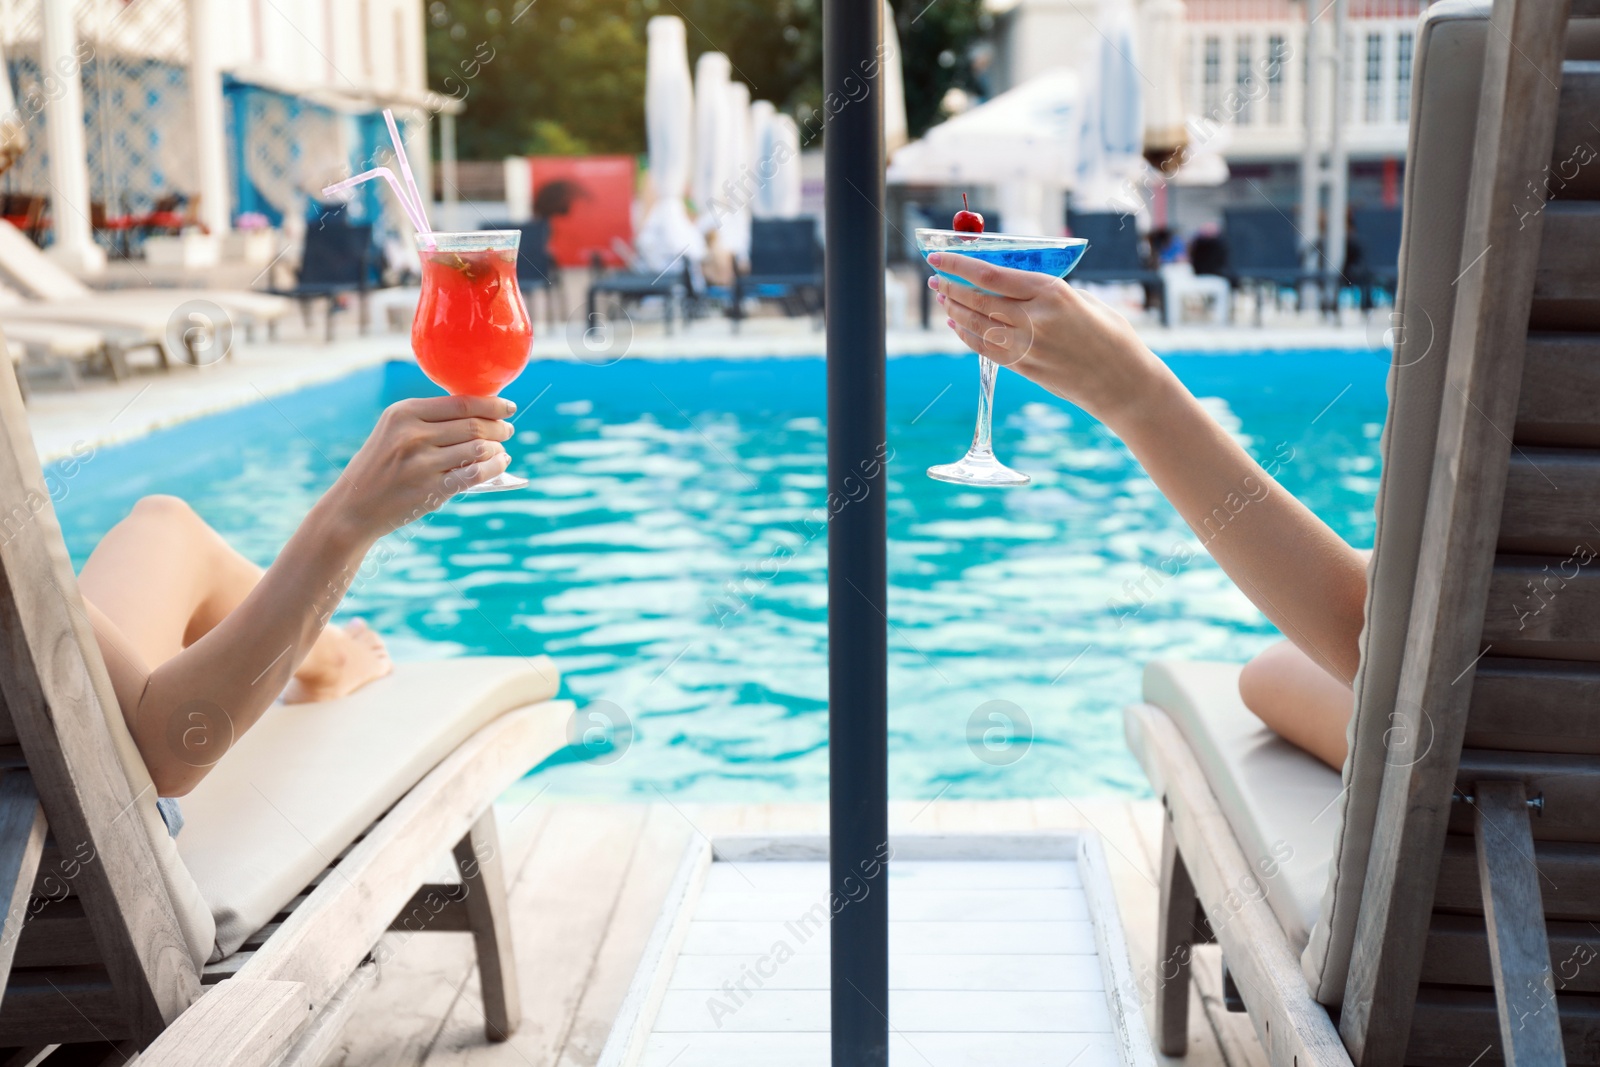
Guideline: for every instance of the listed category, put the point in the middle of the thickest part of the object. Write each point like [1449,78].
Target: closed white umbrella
[712,166]
[736,200]
[1110,154]
[1163,43]
[893,84]
[667,232]
[1029,133]
[786,180]
[764,152]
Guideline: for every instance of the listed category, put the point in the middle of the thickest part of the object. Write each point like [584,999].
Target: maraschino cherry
[967,221]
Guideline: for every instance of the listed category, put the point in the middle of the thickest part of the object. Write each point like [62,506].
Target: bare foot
[342,661]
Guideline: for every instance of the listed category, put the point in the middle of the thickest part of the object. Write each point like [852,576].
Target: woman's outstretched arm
[1301,574]
[186,712]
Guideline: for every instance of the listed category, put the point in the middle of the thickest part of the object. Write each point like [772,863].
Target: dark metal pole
[858,647]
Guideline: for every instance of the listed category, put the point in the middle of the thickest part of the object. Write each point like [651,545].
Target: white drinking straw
[387,175]
[405,169]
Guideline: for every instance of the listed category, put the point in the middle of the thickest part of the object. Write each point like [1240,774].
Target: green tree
[567,76]
[937,38]
[556,76]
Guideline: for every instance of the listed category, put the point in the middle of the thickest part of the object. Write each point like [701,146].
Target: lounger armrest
[1291,1025]
[240,1023]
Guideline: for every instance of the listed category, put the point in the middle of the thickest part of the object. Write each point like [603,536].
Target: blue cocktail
[1045,255]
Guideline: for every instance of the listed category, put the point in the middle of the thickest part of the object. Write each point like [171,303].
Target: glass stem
[982,443]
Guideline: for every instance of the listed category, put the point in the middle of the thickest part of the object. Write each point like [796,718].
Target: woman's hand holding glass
[421,453]
[1066,340]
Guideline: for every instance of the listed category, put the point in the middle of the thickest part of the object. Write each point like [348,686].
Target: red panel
[602,208]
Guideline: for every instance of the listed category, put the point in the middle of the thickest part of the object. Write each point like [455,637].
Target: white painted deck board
[1080,973]
[906,874]
[905,1050]
[908,903]
[778,1011]
[905,938]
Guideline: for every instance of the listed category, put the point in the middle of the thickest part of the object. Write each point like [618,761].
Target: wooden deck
[587,882]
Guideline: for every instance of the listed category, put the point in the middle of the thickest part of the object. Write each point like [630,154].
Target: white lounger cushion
[308,779]
[1278,799]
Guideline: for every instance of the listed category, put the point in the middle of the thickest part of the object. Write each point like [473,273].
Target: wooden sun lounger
[1438,902]
[245,939]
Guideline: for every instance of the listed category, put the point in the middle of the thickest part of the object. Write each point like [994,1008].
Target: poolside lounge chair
[1114,254]
[536,267]
[125,327]
[674,286]
[338,258]
[41,277]
[785,265]
[1264,253]
[246,939]
[1377,235]
[1408,911]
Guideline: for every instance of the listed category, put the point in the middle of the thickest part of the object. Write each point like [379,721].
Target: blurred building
[205,112]
[1244,70]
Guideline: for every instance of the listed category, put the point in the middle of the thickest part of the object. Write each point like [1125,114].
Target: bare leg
[161,579]
[1299,700]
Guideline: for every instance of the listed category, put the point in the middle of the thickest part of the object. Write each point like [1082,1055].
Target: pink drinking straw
[387,175]
[410,198]
[405,169]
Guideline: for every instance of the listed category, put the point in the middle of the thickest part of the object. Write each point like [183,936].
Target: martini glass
[1054,256]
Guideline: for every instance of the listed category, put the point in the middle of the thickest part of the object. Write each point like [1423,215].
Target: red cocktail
[471,333]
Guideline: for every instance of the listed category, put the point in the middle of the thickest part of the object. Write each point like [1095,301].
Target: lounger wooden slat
[1457,953]
[1560,399]
[1567,268]
[1572,178]
[1566,789]
[1548,510]
[1534,706]
[1448,1023]
[61,1006]
[1569,878]
[1544,606]
[57,934]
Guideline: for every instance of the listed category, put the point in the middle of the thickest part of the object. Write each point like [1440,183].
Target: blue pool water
[670,558]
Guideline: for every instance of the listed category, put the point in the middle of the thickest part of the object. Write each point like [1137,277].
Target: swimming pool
[670,558]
